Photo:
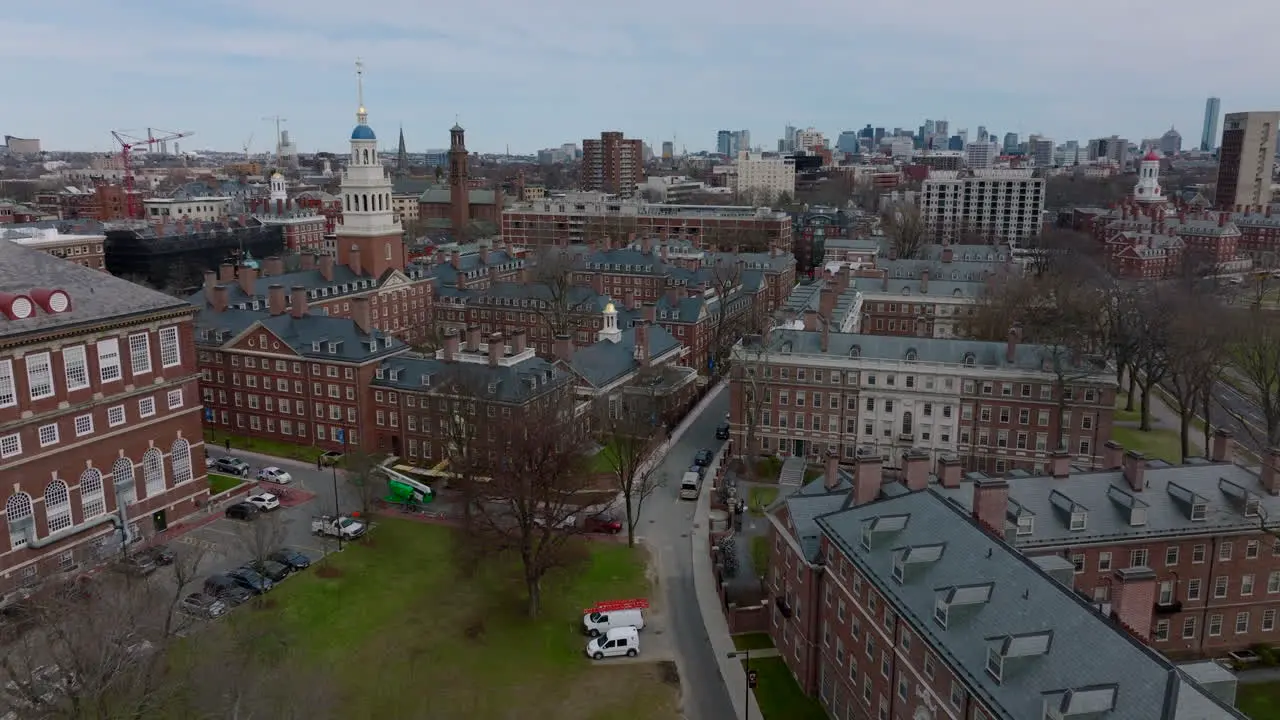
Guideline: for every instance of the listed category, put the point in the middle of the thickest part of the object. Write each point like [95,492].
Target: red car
[602,524]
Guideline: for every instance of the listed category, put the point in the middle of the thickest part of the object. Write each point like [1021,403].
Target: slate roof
[1053,642]
[605,362]
[440,194]
[512,384]
[469,263]
[345,282]
[95,296]
[411,185]
[311,336]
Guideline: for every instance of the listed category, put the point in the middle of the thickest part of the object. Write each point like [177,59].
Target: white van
[690,486]
[602,621]
[617,642]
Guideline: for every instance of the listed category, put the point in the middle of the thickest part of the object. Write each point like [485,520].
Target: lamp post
[751,681]
[337,512]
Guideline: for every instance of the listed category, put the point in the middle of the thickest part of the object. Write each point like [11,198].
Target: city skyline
[535,77]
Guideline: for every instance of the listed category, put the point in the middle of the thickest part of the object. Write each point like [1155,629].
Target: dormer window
[941,611]
[911,355]
[1200,510]
[315,346]
[1078,520]
[333,347]
[865,539]
[970,360]
[493,388]
[1251,507]
[378,373]
[899,568]
[1026,524]
[995,663]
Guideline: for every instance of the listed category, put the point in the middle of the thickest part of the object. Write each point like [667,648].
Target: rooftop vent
[16,307]
[52,301]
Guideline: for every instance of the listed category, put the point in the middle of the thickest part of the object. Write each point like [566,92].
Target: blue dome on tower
[363,132]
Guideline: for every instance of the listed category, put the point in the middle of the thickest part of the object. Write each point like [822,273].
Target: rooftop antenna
[361,115]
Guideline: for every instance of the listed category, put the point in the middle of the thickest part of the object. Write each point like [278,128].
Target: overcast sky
[529,75]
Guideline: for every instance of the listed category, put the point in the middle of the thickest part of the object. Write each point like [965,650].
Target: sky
[530,75]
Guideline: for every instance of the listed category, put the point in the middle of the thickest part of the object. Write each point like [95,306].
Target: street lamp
[751,681]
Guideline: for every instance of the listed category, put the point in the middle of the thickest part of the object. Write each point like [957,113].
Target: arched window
[366,156]
[970,360]
[906,423]
[153,471]
[19,514]
[348,196]
[93,501]
[911,355]
[123,479]
[180,461]
[364,200]
[57,506]
[855,351]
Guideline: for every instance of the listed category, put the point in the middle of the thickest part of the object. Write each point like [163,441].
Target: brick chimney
[226,273]
[1060,464]
[360,314]
[646,244]
[947,254]
[597,283]
[473,338]
[326,267]
[308,261]
[924,281]
[563,348]
[1135,466]
[218,298]
[519,342]
[1011,346]
[210,281]
[867,476]
[642,344]
[353,262]
[990,504]
[1221,446]
[1112,455]
[248,278]
[455,260]
[484,255]
[629,299]
[275,299]
[496,349]
[673,295]
[915,463]
[1133,599]
[827,301]
[650,312]
[831,478]
[1270,474]
[949,471]
[842,278]
[273,266]
[298,301]
[811,322]
[452,343]
[665,252]
[1222,219]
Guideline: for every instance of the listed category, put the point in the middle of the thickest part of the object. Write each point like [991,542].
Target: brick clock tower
[370,239]
[459,184]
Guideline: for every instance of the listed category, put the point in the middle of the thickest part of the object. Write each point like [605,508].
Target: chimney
[460,281]
[519,342]
[441,257]
[915,463]
[948,471]
[275,300]
[279,206]
[646,245]
[1133,599]
[484,256]
[867,476]
[1222,219]
[893,251]
[298,301]
[1270,474]
[629,299]
[326,267]
[597,283]
[353,262]
[642,344]
[1267,211]
[1135,466]
[218,300]
[1011,347]
[308,261]
[673,295]
[226,272]
[990,504]
[811,323]
[248,278]
[1112,455]
[496,349]
[456,260]
[473,338]
[831,478]
[493,275]
[946,254]
[884,281]
[1221,446]
[924,281]
[664,252]
[451,345]
[827,301]
[1060,464]
[273,266]
[563,348]
[210,281]
[360,314]
[650,312]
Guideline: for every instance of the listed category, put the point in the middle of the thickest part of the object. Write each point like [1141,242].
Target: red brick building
[461,202]
[329,206]
[613,164]
[302,228]
[100,437]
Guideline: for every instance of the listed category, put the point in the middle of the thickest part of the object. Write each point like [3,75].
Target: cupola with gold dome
[609,331]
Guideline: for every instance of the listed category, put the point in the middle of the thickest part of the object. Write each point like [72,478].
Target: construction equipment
[127,144]
[279,142]
[247,143]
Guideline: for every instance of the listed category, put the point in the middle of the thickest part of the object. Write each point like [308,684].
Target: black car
[249,579]
[700,469]
[702,457]
[291,558]
[243,511]
[226,589]
[722,431]
[270,569]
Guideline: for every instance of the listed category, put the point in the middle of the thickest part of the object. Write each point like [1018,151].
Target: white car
[263,501]
[275,475]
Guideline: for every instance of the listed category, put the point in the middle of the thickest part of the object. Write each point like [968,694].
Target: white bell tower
[279,189]
[610,330]
[1148,190]
[366,189]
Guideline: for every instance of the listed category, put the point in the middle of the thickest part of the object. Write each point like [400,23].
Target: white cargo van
[601,621]
[690,485]
[615,643]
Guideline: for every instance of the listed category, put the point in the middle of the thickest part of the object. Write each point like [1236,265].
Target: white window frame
[112,412]
[174,399]
[170,347]
[75,365]
[48,434]
[139,353]
[12,441]
[8,387]
[84,424]
[39,375]
[109,368]
[146,407]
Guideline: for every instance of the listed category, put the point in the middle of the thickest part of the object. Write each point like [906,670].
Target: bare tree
[360,472]
[732,313]
[262,536]
[1196,349]
[629,429]
[561,303]
[754,372]
[1151,357]
[1255,363]
[904,224]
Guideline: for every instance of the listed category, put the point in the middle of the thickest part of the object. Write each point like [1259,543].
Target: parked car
[702,457]
[231,466]
[330,457]
[602,523]
[337,526]
[162,554]
[614,643]
[203,605]
[722,431]
[264,501]
[243,511]
[274,475]
[251,580]
[224,588]
[270,569]
[700,469]
[291,557]
[565,523]
[136,564]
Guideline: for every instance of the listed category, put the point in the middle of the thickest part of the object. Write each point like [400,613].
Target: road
[1239,413]
[665,524]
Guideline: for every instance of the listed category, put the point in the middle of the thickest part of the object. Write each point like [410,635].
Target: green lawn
[760,498]
[605,461]
[1123,415]
[1160,443]
[779,695]
[222,483]
[752,641]
[403,634]
[1260,701]
[305,453]
[760,555]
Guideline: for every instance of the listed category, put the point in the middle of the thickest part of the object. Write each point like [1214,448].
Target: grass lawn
[402,634]
[1160,443]
[760,498]
[760,555]
[267,447]
[1123,415]
[1260,701]
[222,483]
[778,693]
[606,460]
[752,641]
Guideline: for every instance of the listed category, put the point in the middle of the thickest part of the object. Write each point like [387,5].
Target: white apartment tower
[769,176]
[994,205]
[981,154]
[808,139]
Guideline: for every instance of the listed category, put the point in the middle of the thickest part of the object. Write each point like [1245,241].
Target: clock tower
[370,238]
[459,183]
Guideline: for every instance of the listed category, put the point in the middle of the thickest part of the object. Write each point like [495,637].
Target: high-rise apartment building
[1209,135]
[981,154]
[789,138]
[724,142]
[668,149]
[808,139]
[1113,149]
[1246,159]
[612,164]
[765,176]
[1041,151]
[1011,142]
[995,205]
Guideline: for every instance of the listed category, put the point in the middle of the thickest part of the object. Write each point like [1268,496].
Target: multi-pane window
[170,354]
[147,407]
[92,498]
[115,415]
[1242,623]
[180,459]
[8,390]
[39,376]
[57,506]
[1215,625]
[175,399]
[76,364]
[1188,628]
[109,360]
[84,425]
[1268,620]
[153,471]
[140,353]
[10,445]
[48,434]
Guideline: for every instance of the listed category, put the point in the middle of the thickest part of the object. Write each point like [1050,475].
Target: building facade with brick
[301,228]
[612,164]
[100,437]
[454,207]
[82,247]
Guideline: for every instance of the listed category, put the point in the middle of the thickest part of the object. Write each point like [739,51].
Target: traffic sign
[752,679]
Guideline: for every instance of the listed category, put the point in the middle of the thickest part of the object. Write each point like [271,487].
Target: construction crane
[279,142]
[127,144]
[247,143]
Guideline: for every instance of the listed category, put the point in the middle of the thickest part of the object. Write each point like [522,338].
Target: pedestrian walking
[227,444]
[318,465]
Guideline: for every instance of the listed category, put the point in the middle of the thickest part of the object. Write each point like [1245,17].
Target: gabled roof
[605,362]
[318,337]
[511,384]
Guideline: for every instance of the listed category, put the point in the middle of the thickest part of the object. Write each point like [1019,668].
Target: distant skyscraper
[1209,135]
[1041,151]
[847,142]
[963,134]
[1171,142]
[668,149]
[789,138]
[741,141]
[1011,142]
[940,127]
[1245,160]
[982,133]
[724,143]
